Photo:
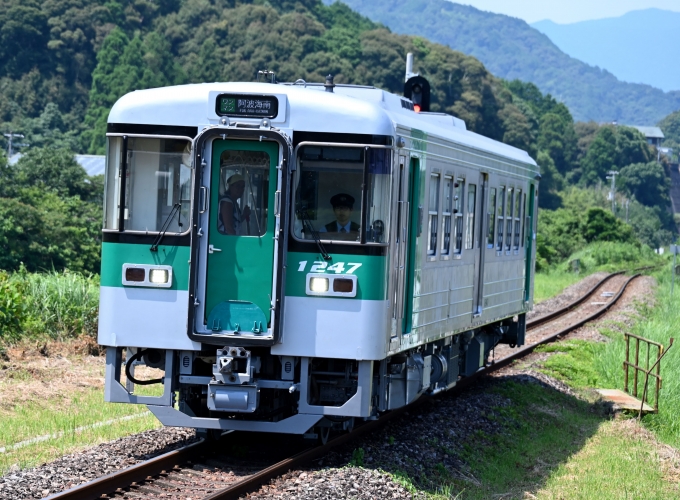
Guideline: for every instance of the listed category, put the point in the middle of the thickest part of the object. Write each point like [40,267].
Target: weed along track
[222,470]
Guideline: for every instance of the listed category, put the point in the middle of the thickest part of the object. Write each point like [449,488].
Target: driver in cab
[342,228]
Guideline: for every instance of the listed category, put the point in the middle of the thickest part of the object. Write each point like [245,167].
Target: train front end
[246,260]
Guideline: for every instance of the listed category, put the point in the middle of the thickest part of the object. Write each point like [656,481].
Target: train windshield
[331,201]
[157,184]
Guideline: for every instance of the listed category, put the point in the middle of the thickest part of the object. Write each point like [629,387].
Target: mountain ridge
[633,46]
[511,49]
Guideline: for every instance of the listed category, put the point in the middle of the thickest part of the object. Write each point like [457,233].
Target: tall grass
[612,256]
[658,324]
[57,305]
[599,365]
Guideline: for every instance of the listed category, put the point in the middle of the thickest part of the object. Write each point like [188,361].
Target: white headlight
[158,276]
[318,284]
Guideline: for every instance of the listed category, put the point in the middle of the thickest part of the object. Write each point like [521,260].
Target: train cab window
[508,218]
[492,218]
[458,216]
[447,210]
[518,218]
[329,195]
[157,184]
[433,207]
[243,196]
[470,215]
[500,207]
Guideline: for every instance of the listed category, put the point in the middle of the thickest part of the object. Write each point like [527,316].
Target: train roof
[348,109]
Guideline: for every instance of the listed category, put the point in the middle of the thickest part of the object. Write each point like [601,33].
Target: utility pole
[612,175]
[627,204]
[409,67]
[11,136]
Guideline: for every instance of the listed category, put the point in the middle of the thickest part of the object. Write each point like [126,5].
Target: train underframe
[249,389]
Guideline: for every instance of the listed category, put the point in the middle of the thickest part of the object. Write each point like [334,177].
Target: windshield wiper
[304,217]
[175,209]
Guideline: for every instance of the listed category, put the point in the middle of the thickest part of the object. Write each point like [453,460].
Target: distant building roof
[650,132]
[93,164]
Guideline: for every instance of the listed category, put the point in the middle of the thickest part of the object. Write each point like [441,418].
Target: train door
[476,200]
[406,230]
[400,239]
[415,220]
[529,224]
[241,239]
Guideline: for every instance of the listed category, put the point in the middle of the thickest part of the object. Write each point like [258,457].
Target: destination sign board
[247,106]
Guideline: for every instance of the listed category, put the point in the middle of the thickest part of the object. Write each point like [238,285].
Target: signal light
[417,89]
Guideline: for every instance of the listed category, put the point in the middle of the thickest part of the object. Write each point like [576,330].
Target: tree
[647,182]
[104,92]
[50,213]
[631,147]
[551,183]
[670,126]
[24,34]
[601,157]
[47,231]
[558,139]
[601,225]
[55,170]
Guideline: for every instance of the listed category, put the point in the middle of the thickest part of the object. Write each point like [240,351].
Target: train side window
[433,222]
[447,210]
[492,218]
[508,218]
[458,216]
[518,217]
[500,219]
[470,227]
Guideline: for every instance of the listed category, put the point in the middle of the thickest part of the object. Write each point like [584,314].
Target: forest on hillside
[64,63]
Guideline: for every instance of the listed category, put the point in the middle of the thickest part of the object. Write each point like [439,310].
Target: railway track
[203,471]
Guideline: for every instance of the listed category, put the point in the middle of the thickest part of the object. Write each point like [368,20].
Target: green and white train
[294,257]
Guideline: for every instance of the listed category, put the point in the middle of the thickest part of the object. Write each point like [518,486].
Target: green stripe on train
[114,255]
[370,271]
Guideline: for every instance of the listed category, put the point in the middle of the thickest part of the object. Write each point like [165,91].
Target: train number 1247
[322,267]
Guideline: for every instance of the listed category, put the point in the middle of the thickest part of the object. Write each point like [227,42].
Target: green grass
[555,446]
[61,421]
[549,284]
[613,464]
[575,362]
[599,365]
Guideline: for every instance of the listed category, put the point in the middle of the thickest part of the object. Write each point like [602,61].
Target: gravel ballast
[100,460]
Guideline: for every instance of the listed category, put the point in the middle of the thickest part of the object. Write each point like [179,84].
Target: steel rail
[139,472]
[248,485]
[145,470]
[555,336]
[572,305]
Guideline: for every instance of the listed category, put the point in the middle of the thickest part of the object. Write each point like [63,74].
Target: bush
[12,307]
[56,305]
[612,256]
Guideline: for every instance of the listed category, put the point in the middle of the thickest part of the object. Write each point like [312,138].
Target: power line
[11,136]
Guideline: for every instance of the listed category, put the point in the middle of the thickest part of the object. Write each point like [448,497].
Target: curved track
[203,472]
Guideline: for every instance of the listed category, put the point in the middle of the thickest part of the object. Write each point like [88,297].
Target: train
[297,257]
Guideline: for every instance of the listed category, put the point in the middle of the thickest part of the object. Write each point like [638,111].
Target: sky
[568,11]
